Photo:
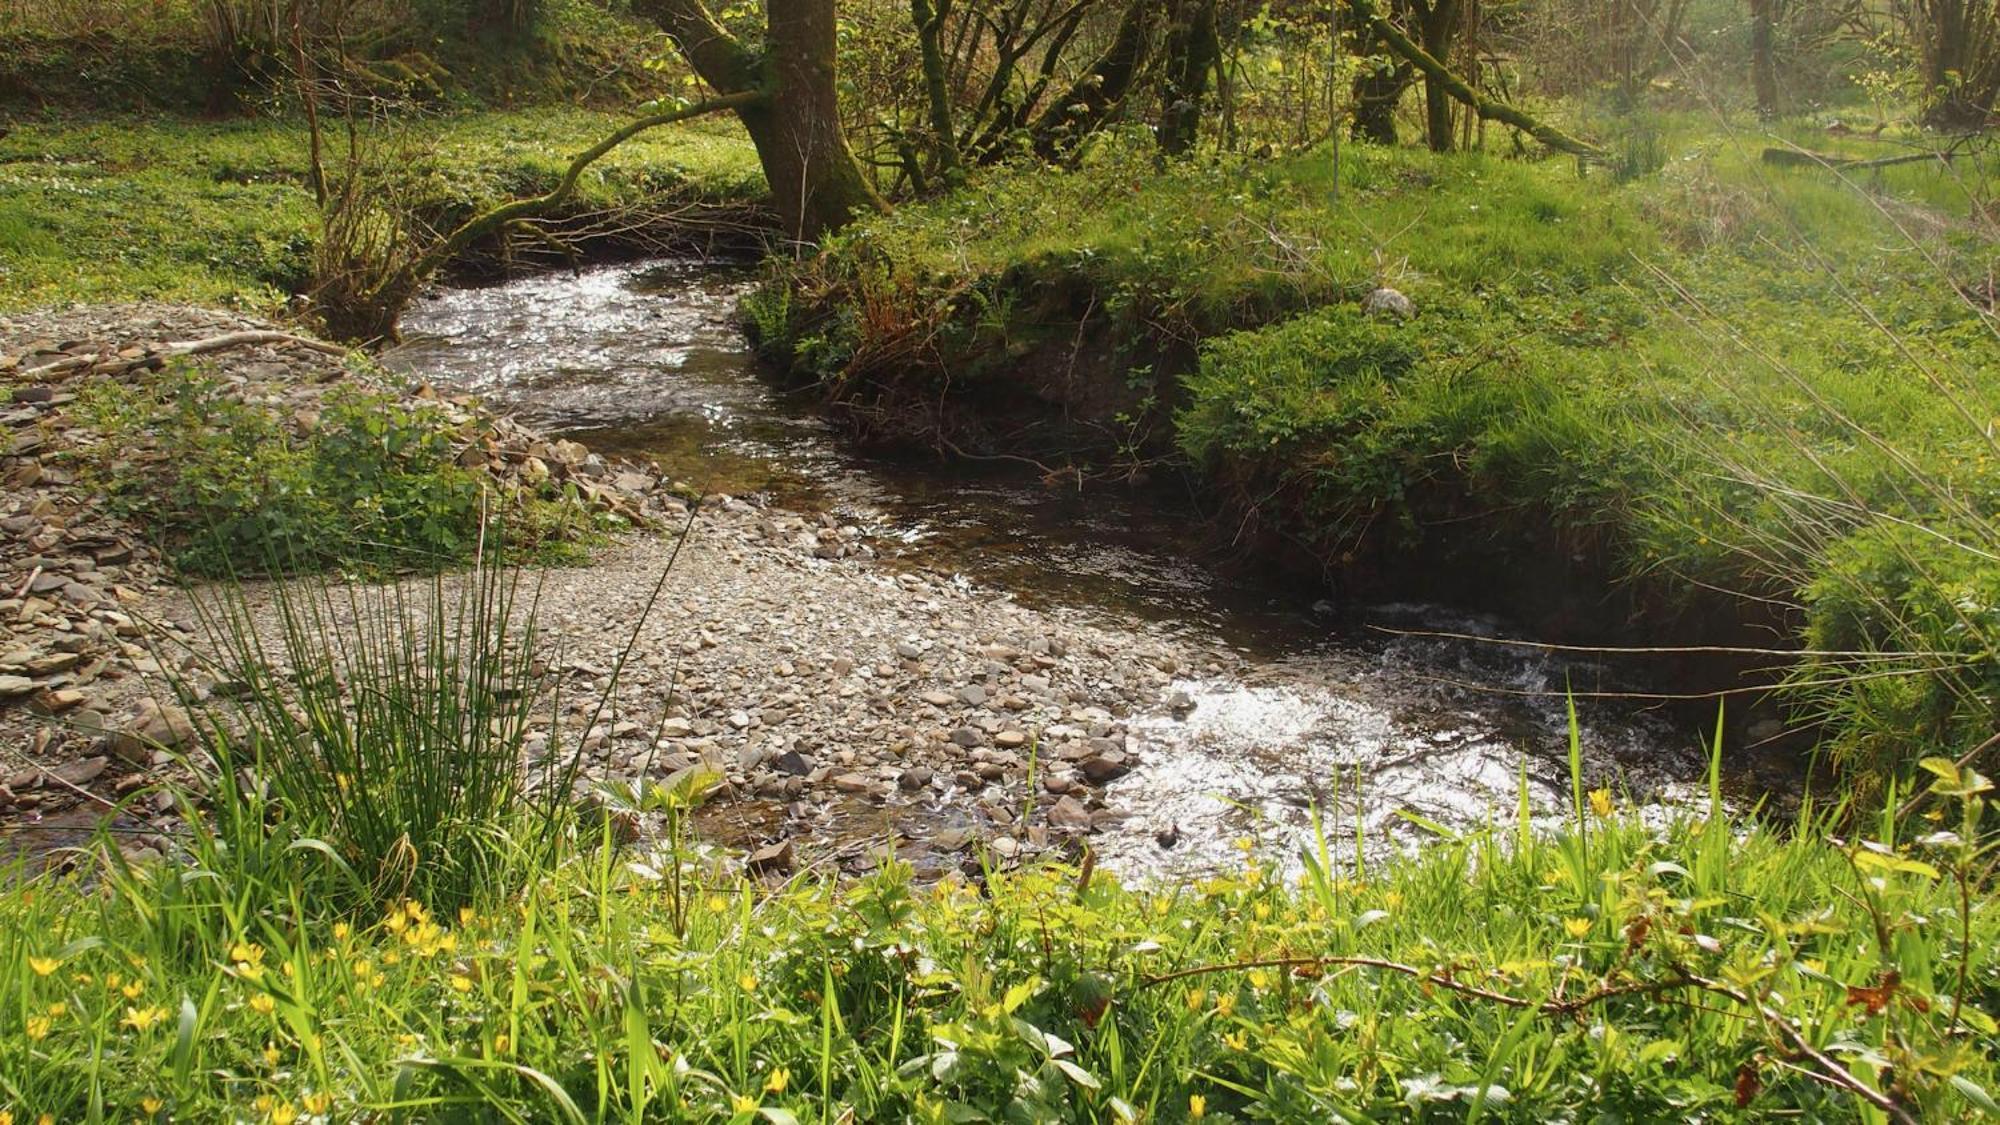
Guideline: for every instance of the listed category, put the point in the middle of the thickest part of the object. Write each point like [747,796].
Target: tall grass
[1703,969]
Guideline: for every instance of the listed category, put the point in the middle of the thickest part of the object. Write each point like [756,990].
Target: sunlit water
[648,361]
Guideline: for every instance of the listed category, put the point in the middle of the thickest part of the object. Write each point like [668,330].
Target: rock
[969,737]
[676,727]
[152,726]
[792,763]
[972,695]
[854,783]
[1105,766]
[937,699]
[915,778]
[13,687]
[774,859]
[1385,301]
[1070,813]
[1010,739]
[908,651]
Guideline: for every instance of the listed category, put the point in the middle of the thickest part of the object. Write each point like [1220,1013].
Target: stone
[969,737]
[972,695]
[854,783]
[791,763]
[1105,766]
[774,859]
[1010,739]
[1070,813]
[13,687]
[151,726]
[1385,301]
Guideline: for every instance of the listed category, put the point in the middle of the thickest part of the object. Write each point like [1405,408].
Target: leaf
[777,1115]
[1019,994]
[184,1039]
[1877,998]
[1076,1074]
[1975,1093]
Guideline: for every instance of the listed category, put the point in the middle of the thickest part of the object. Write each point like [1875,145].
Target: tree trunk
[1959,43]
[1487,108]
[816,185]
[1088,103]
[929,21]
[1763,68]
[1192,50]
[1437,26]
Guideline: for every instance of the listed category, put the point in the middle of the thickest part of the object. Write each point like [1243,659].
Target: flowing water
[647,361]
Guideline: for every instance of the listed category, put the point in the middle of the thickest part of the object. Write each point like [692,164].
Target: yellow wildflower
[1197,1106]
[779,1079]
[6,1117]
[150,1104]
[340,931]
[1263,912]
[263,1004]
[717,904]
[44,1119]
[502,1044]
[1196,998]
[284,1113]
[467,916]
[1236,1040]
[143,1019]
[38,1028]
[746,982]
[317,1103]
[43,966]
[270,1055]
[57,1009]
[1600,802]
[1259,979]
[742,1103]
[133,990]
[1576,927]
[1225,1003]
[461,983]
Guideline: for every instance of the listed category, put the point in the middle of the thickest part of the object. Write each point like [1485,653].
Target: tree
[1092,99]
[1437,27]
[1193,49]
[790,106]
[1763,64]
[1958,43]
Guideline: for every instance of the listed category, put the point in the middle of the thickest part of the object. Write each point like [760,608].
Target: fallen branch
[1487,108]
[115,363]
[1805,158]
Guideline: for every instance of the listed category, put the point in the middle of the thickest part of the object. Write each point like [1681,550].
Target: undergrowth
[1612,970]
[363,480]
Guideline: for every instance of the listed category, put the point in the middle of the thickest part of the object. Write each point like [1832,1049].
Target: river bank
[858,673]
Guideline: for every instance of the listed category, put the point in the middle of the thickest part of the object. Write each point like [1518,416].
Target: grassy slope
[217,213]
[1641,373]
[589,998]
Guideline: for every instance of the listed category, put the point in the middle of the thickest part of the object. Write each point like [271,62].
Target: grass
[1611,970]
[217,213]
[1705,380]
[361,480]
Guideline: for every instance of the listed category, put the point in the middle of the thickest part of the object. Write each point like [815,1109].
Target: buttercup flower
[143,1019]
[1197,1106]
[1576,927]
[43,966]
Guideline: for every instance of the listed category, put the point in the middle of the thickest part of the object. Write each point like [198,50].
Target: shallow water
[647,361]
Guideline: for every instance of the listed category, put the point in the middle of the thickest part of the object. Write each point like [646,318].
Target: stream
[1351,712]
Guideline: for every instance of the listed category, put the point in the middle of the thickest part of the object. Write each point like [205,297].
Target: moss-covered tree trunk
[1437,28]
[816,185]
[1193,48]
[1959,45]
[1093,98]
[1763,66]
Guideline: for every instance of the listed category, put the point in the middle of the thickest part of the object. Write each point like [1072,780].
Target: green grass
[372,484]
[1609,971]
[217,212]
[1703,380]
